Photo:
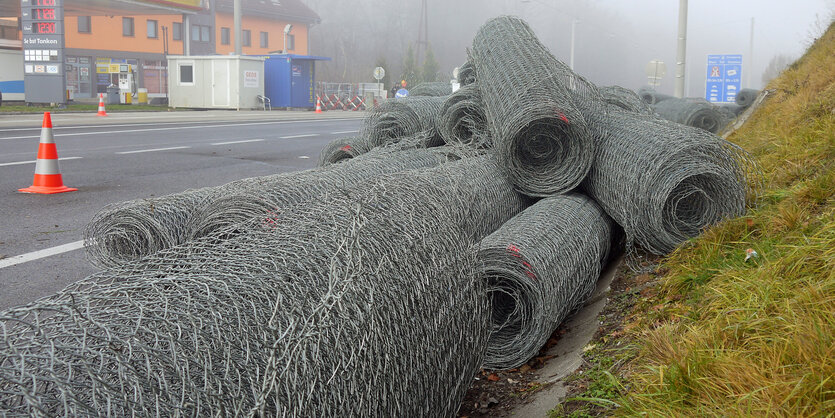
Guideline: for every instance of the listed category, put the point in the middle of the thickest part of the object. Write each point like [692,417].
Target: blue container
[289,78]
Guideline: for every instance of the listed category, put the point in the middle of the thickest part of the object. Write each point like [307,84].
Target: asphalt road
[131,156]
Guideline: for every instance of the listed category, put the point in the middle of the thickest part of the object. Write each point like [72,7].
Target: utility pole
[573,30]
[750,68]
[681,51]
[236,12]
[423,31]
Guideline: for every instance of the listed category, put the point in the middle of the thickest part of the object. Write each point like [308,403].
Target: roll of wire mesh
[462,119]
[432,89]
[342,149]
[697,113]
[125,232]
[403,117]
[539,267]
[664,182]
[651,97]
[625,99]
[534,106]
[367,304]
[466,73]
[264,195]
[746,97]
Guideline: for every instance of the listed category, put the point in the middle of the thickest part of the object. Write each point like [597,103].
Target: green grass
[14,109]
[754,338]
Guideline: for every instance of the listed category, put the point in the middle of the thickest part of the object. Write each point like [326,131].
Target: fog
[614,38]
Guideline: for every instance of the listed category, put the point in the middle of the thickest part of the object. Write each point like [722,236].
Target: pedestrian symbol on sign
[714,72]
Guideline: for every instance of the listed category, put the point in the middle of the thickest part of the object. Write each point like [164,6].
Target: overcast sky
[723,27]
[615,39]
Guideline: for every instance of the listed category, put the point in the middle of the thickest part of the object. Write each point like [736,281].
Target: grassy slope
[756,337]
[714,335]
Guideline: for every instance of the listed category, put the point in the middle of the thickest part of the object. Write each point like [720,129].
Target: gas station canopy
[114,7]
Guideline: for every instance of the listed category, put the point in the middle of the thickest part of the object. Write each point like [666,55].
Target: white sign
[379,73]
[251,79]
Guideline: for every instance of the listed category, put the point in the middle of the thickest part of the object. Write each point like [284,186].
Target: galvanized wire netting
[433,89]
[534,106]
[403,117]
[366,304]
[731,110]
[466,73]
[664,182]
[341,149]
[125,232]
[625,99]
[746,97]
[462,119]
[264,195]
[697,113]
[540,266]
[652,97]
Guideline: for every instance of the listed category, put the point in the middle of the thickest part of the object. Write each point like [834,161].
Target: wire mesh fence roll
[432,89]
[466,73]
[625,99]
[746,97]
[125,232]
[539,267]
[664,182]
[462,119]
[651,97]
[341,149]
[697,113]
[534,106]
[403,117]
[365,305]
[731,110]
[261,196]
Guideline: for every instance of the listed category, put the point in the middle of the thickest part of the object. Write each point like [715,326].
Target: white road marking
[303,157]
[179,127]
[343,132]
[34,255]
[237,142]
[298,136]
[33,161]
[150,150]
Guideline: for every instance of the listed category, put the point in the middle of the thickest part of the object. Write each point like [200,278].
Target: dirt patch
[497,393]
[606,354]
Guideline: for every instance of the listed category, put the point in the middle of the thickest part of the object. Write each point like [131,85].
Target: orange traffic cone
[101,106]
[318,105]
[47,174]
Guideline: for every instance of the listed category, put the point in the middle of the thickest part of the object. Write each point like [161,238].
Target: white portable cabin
[215,81]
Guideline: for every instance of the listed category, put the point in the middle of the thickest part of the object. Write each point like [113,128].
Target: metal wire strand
[540,266]
[534,106]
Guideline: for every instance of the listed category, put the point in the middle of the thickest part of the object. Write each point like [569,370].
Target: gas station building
[126,42]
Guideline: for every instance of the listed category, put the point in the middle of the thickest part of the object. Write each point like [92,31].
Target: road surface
[130,156]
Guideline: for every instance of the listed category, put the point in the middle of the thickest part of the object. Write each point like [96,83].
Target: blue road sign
[402,93]
[724,77]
